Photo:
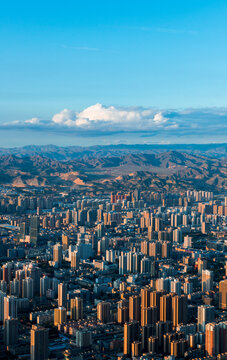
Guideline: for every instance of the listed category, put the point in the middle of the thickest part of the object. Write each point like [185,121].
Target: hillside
[170,170]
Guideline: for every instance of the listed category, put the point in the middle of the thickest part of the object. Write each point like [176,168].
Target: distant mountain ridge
[107,169]
[73,152]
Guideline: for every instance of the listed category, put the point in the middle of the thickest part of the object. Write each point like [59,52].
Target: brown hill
[168,170]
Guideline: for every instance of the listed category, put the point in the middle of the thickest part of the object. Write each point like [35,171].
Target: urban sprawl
[137,275]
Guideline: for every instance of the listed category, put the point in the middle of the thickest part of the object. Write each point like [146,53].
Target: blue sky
[164,55]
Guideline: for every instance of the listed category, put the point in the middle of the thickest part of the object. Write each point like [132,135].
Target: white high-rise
[205,315]
[207,280]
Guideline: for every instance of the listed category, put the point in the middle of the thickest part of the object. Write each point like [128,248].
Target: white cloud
[33,121]
[100,120]
[98,116]
[159,118]
[64,117]
[111,114]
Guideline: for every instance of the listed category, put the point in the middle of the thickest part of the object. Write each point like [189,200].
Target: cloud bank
[99,120]
[99,117]
[107,119]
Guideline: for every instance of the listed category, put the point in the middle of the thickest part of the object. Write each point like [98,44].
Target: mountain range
[120,167]
[74,152]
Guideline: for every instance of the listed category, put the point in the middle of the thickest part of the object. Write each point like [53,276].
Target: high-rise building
[65,241]
[84,250]
[39,343]
[205,227]
[166,307]
[100,230]
[111,255]
[185,220]
[34,272]
[176,287]
[178,348]
[10,331]
[145,247]
[136,348]
[57,254]
[207,280]
[129,262]
[146,331]
[44,285]
[34,230]
[24,230]
[62,295]
[75,260]
[153,344]
[147,267]
[206,315]
[179,310]
[122,264]
[83,338]
[6,272]
[20,275]
[163,284]
[134,308]
[166,249]
[177,236]
[223,294]
[149,315]
[176,220]
[60,316]
[122,314]
[146,316]
[155,249]
[103,312]
[2,296]
[76,308]
[155,300]
[131,332]
[162,328]
[158,224]
[187,242]
[188,287]
[145,297]
[202,265]
[68,216]
[150,231]
[216,338]
[3,286]
[28,288]
[15,287]
[10,307]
